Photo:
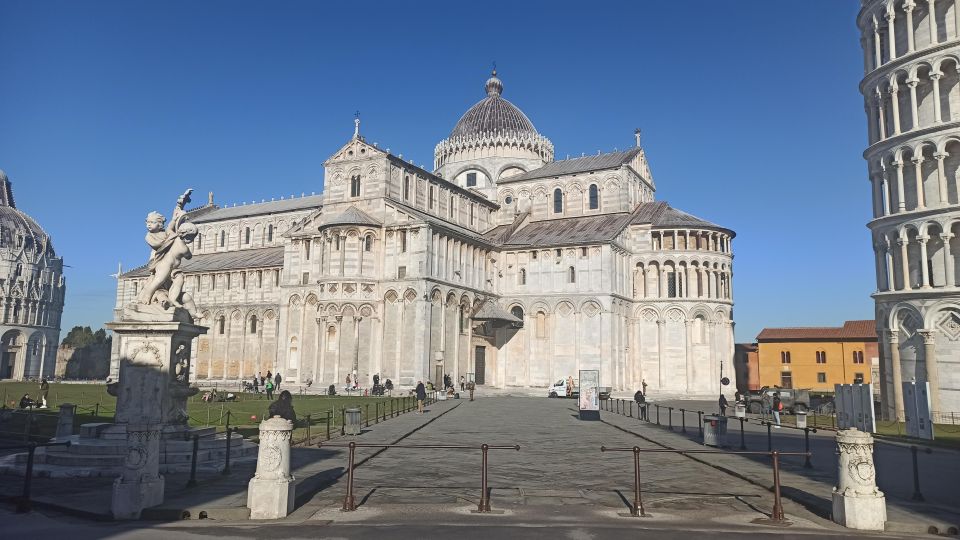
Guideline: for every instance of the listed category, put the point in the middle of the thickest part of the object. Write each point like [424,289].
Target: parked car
[794,400]
[559,389]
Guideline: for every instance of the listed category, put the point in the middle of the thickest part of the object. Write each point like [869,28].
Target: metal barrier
[193,462]
[349,503]
[636,509]
[806,438]
[226,466]
[917,496]
[24,504]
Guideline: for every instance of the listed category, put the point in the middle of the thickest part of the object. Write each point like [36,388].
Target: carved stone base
[130,498]
[863,512]
[271,498]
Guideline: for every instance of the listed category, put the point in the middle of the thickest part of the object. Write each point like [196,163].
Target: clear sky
[750,113]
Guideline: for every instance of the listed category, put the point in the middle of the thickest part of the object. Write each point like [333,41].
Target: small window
[246,235]
[559,253]
[221,325]
[523,276]
[269,233]
[229,281]
[821,377]
[198,283]
[517,312]
[276,277]
[671,284]
[355,186]
[305,278]
[243,280]
[471,179]
[572,274]
[306,250]
[401,272]
[821,357]
[403,241]
[462,321]
[453,200]
[583,252]
[508,200]
[406,188]
[557,201]
[368,242]
[857,357]
[533,255]
[594,197]
[858,378]
[223,238]
[253,324]
[431,196]
[786,379]
[784,357]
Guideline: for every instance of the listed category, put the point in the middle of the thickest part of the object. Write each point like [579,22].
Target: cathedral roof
[269,257]
[661,214]
[566,231]
[493,115]
[351,216]
[258,209]
[610,160]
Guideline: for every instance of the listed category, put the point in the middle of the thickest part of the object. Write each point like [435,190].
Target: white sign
[854,407]
[916,405]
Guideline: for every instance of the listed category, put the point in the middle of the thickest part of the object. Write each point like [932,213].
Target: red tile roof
[864,330]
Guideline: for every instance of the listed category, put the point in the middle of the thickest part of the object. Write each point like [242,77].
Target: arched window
[572,274]
[246,235]
[430,196]
[821,357]
[784,357]
[557,201]
[253,324]
[406,188]
[199,242]
[594,197]
[269,233]
[517,312]
[355,185]
[221,325]
[16,312]
[463,320]
[523,276]
[223,238]
[541,324]
[19,270]
[368,242]
[332,338]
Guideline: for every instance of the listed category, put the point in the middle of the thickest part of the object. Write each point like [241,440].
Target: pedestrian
[723,405]
[462,380]
[641,404]
[269,376]
[26,402]
[777,407]
[44,390]
[276,381]
[643,383]
[569,386]
[471,386]
[283,407]
[766,406]
[268,386]
[421,396]
[256,386]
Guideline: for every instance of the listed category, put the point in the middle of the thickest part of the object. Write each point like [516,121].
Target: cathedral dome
[493,115]
[17,229]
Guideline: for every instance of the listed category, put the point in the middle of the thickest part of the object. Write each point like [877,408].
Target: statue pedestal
[857,502]
[271,492]
[151,401]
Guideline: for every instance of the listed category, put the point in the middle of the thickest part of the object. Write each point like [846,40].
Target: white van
[559,389]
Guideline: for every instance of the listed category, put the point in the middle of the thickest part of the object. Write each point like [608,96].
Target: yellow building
[817,358]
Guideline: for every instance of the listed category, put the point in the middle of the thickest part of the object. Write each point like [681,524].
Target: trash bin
[715,431]
[352,422]
[441,396]
[801,419]
[741,410]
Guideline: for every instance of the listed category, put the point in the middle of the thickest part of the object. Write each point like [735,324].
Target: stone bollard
[271,492]
[140,484]
[857,503]
[65,421]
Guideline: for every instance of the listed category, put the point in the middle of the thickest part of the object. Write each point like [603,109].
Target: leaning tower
[911,90]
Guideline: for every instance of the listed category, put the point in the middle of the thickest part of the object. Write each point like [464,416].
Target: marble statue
[163,293]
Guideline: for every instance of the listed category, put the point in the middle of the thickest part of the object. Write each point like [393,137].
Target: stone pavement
[221,497]
[559,471]
[812,486]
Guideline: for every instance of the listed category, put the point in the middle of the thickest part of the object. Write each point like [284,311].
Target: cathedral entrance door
[6,365]
[480,364]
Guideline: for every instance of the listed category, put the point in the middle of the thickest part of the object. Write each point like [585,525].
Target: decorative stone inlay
[950,326]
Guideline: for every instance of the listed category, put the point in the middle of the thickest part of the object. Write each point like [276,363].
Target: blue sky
[751,117]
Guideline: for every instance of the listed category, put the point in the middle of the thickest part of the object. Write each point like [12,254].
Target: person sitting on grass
[26,402]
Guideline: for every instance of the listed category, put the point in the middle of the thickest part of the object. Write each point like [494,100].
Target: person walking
[283,407]
[641,404]
[421,396]
[777,407]
[471,386]
[462,382]
[44,391]
[643,383]
[268,386]
[276,381]
[569,386]
[766,406]
[256,386]
[723,405]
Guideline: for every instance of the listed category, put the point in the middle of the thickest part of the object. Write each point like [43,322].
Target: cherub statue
[182,368]
[170,246]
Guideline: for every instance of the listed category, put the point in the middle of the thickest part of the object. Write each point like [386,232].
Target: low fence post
[367,414]
[700,423]
[193,462]
[343,421]
[806,447]
[23,505]
[769,436]
[308,430]
[329,419]
[670,414]
[631,409]
[683,420]
[658,413]
[349,505]
[226,466]
[777,505]
[484,492]
[743,442]
[917,496]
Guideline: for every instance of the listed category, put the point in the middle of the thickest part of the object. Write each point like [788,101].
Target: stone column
[911,41]
[914,110]
[901,199]
[949,278]
[885,187]
[881,113]
[894,341]
[877,53]
[918,175]
[932,20]
[891,281]
[895,108]
[930,360]
[892,32]
[271,492]
[904,264]
[857,502]
[65,421]
[941,178]
[935,79]
[661,337]
[924,271]
[689,353]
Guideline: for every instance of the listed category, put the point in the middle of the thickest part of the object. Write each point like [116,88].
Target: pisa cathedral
[501,264]
[911,90]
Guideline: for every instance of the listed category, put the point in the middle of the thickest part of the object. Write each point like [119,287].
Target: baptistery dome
[493,115]
[32,292]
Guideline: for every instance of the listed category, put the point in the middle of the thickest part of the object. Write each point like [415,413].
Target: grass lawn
[94,404]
